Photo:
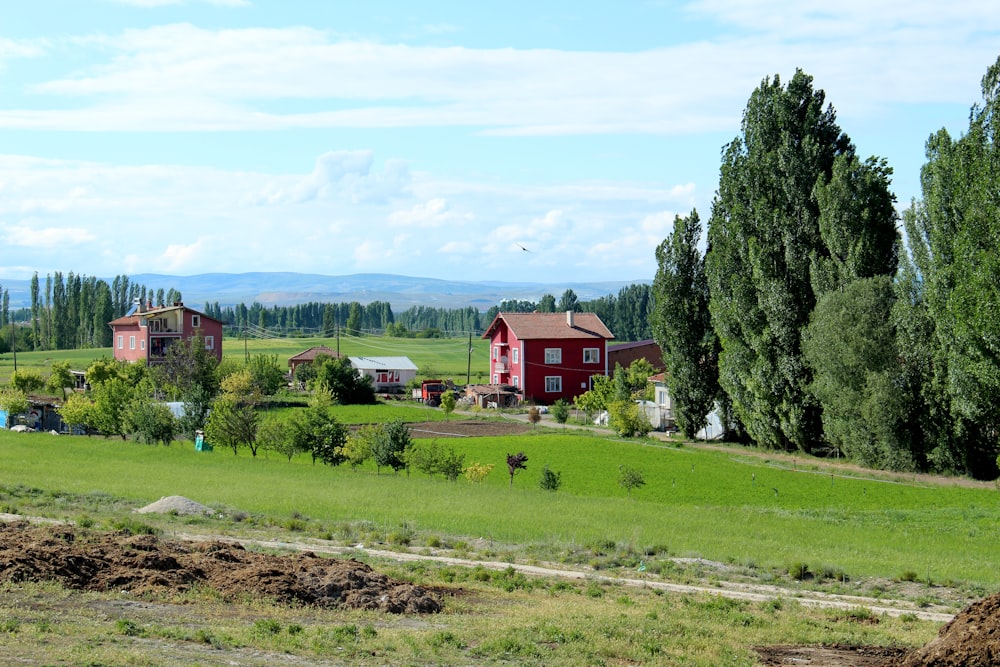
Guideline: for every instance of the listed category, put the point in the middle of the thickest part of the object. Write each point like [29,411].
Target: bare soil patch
[96,561]
[467,428]
[827,656]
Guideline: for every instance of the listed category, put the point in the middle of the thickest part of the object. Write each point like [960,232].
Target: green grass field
[716,505]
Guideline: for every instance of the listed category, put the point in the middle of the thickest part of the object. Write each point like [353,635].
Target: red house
[548,356]
[145,333]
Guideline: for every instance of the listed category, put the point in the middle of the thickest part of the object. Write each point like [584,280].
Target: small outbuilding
[388,374]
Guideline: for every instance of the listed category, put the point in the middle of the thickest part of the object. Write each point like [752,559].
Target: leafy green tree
[560,410]
[267,374]
[27,380]
[627,419]
[515,464]
[13,401]
[448,402]
[148,421]
[360,444]
[851,346]
[186,366]
[78,411]
[547,304]
[682,325]
[111,400]
[767,243]
[317,431]
[431,458]
[275,436]
[568,301]
[196,402]
[630,478]
[953,233]
[60,377]
[390,445]
[341,379]
[232,423]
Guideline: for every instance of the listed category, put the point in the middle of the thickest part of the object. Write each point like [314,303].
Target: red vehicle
[430,392]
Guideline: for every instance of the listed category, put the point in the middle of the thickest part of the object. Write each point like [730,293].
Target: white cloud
[32,236]
[189,258]
[340,174]
[433,213]
[182,77]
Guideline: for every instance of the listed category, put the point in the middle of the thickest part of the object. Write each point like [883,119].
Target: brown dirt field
[96,561]
[467,428]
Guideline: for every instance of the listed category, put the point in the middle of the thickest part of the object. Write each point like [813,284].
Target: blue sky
[432,138]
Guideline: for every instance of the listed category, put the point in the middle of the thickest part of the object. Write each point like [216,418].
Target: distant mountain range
[402,292]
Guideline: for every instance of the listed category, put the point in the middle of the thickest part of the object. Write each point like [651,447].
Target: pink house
[145,333]
[548,356]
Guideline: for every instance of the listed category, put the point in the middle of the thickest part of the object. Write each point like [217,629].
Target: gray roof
[383,363]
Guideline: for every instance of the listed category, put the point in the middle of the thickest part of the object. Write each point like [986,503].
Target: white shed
[387,373]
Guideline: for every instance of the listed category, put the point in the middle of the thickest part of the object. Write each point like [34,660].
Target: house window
[591,355]
[553,384]
[209,342]
[514,380]
[496,352]
[553,355]
[121,342]
[513,356]
[496,379]
[142,344]
[131,342]
[195,321]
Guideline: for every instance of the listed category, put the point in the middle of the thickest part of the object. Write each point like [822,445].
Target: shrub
[560,411]
[550,479]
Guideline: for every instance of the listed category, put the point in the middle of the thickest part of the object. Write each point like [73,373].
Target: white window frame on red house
[513,355]
[591,355]
[121,342]
[209,342]
[142,344]
[553,355]
[195,321]
[496,353]
[553,384]
[515,381]
[496,378]
[131,342]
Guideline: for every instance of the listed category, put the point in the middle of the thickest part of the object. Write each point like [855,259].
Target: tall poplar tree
[796,214]
[682,325]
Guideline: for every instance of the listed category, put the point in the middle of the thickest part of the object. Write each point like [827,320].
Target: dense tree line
[72,311]
[826,333]
[626,314]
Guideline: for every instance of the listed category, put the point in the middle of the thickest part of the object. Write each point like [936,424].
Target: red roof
[134,317]
[527,326]
[313,352]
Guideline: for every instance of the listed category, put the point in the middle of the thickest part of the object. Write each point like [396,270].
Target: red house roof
[528,326]
[144,314]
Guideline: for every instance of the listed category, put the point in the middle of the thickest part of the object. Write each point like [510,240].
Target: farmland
[704,515]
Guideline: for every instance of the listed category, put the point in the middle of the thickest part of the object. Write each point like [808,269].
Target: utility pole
[13,343]
[338,339]
[468,370]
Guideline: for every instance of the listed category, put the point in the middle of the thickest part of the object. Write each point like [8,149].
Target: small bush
[550,480]
[560,411]
[799,571]
[267,626]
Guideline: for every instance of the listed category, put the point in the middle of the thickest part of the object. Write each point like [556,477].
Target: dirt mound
[971,639]
[95,561]
[174,505]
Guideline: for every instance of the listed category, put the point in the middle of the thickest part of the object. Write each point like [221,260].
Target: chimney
[569,318]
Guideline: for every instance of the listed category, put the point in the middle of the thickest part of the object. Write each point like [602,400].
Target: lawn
[701,503]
